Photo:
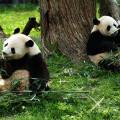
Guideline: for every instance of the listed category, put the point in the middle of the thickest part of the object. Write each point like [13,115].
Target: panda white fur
[22,59]
[104,42]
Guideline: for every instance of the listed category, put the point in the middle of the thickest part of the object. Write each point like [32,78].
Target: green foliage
[118,1]
[79,91]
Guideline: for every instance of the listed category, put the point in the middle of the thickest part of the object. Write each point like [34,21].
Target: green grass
[17,16]
[97,86]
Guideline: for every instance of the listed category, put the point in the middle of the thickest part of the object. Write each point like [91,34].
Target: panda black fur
[21,53]
[104,40]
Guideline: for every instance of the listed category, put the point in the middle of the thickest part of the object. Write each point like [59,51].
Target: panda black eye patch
[108,28]
[115,25]
[13,50]
[5,44]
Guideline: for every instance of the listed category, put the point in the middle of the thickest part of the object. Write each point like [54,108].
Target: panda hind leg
[109,65]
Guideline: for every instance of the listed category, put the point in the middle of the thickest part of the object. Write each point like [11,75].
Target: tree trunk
[66,25]
[110,7]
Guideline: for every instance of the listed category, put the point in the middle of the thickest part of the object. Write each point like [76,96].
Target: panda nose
[118,26]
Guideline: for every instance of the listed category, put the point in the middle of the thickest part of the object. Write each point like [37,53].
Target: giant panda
[22,59]
[104,42]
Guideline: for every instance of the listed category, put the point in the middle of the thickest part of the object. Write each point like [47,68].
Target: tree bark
[66,25]
[110,7]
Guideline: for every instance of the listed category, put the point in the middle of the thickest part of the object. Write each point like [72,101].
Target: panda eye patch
[5,44]
[108,28]
[115,25]
[13,50]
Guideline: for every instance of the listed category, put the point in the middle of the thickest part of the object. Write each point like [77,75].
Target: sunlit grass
[17,16]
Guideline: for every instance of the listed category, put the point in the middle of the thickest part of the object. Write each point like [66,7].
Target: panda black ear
[96,21]
[17,30]
[29,43]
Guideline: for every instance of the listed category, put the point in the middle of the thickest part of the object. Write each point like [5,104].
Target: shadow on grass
[18,7]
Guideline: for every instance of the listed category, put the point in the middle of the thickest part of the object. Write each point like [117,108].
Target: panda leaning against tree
[104,42]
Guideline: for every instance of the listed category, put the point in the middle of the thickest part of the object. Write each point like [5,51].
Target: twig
[97,104]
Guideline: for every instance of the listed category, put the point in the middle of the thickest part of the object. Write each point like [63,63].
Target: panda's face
[16,46]
[106,25]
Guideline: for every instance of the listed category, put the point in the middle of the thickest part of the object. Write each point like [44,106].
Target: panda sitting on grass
[103,44]
[22,59]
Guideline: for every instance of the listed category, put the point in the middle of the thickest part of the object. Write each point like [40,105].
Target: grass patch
[16,16]
[99,98]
